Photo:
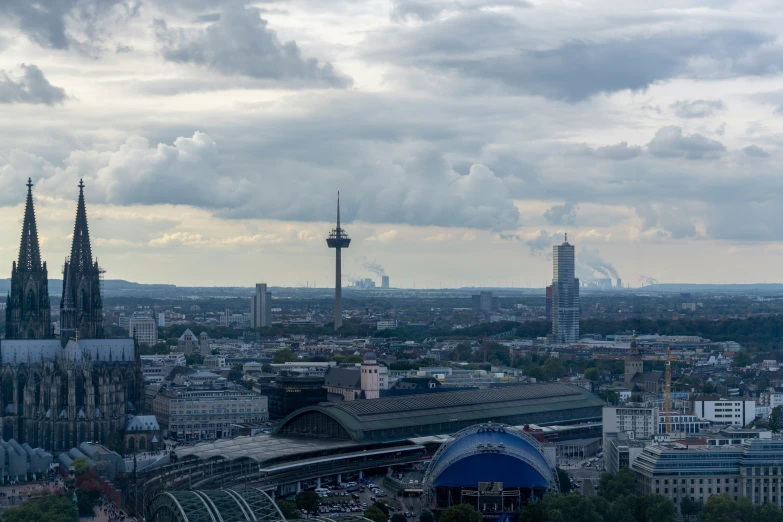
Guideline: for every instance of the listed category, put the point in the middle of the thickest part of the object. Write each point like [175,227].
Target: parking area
[356,497]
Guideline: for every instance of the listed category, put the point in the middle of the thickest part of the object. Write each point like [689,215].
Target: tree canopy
[460,513]
[51,508]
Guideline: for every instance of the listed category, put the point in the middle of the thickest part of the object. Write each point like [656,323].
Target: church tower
[81,308]
[27,313]
[633,363]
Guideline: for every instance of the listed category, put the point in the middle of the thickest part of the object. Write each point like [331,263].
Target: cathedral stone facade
[57,393]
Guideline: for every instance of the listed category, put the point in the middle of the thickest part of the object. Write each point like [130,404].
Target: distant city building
[188,343]
[370,377]
[364,284]
[387,324]
[725,411]
[485,302]
[161,319]
[620,451]
[619,283]
[565,295]
[142,433]
[384,281]
[346,383]
[640,421]
[261,307]
[144,329]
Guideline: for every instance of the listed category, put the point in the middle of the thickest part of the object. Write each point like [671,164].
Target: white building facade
[144,329]
[726,411]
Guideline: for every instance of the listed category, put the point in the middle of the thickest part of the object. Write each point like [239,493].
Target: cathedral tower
[81,308]
[27,313]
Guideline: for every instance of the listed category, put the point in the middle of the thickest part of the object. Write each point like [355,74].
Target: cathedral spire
[81,251]
[81,307]
[29,251]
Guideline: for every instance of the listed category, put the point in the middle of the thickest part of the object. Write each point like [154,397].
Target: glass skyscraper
[565,295]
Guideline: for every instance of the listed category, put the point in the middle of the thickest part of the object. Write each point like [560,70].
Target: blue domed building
[493,467]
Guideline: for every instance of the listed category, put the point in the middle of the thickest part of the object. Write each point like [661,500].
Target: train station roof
[440,413]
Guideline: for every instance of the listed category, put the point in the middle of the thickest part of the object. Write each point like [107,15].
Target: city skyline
[666,172]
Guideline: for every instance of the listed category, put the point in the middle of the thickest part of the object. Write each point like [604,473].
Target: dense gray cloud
[490,45]
[620,151]
[755,151]
[61,24]
[424,190]
[240,43]
[696,108]
[426,10]
[670,142]
[561,214]
[31,87]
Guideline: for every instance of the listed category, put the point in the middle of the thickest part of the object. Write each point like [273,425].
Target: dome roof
[491,453]
[370,356]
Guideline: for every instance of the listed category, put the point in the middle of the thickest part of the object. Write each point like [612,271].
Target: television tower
[338,240]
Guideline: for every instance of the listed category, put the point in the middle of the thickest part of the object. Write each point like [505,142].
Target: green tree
[768,513]
[554,367]
[115,443]
[623,509]
[237,367]
[723,508]
[194,359]
[532,512]
[592,374]
[283,356]
[565,481]
[742,359]
[80,465]
[460,513]
[655,508]
[463,352]
[774,420]
[375,514]
[307,501]
[426,516]
[399,517]
[267,368]
[383,506]
[689,508]
[614,485]
[85,503]
[573,507]
[288,509]
[49,508]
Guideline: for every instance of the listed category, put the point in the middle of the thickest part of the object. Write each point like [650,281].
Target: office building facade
[640,422]
[753,470]
[144,330]
[261,307]
[725,411]
[207,411]
[565,295]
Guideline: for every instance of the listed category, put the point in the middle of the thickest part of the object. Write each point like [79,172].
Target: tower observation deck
[338,239]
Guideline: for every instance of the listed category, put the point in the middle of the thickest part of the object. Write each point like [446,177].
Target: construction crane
[667,392]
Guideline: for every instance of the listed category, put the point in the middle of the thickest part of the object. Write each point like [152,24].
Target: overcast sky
[465,137]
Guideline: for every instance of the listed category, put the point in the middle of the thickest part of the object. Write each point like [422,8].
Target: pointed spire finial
[566,237]
[29,185]
[81,186]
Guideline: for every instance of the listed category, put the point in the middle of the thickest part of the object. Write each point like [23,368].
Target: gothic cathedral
[57,393]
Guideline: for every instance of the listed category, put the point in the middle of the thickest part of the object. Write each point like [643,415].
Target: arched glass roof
[224,505]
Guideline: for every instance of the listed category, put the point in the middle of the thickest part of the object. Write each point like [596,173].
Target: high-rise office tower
[261,307]
[338,240]
[565,295]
